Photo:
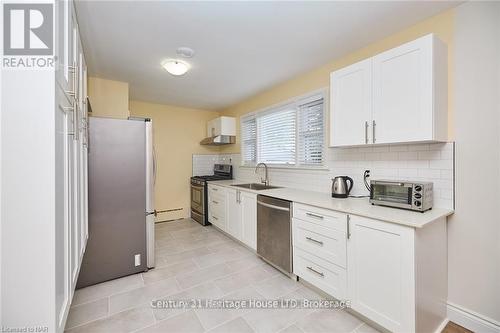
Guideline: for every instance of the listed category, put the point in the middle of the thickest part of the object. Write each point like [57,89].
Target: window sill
[284,167]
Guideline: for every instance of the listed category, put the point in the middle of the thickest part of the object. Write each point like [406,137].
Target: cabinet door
[63,205]
[351,104]
[249,219]
[403,93]
[64,49]
[233,215]
[380,270]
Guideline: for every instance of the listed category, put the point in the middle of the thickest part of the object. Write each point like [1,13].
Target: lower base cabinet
[395,275]
[248,203]
[381,273]
[233,213]
[238,217]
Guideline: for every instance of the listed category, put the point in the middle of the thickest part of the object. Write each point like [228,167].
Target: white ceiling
[242,48]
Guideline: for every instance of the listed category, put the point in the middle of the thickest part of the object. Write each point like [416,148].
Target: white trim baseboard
[472,320]
[442,325]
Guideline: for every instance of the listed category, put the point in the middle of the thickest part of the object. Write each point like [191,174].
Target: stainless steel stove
[199,191]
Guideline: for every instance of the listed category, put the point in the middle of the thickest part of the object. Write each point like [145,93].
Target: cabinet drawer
[217,203]
[330,278]
[323,217]
[217,219]
[328,244]
[214,189]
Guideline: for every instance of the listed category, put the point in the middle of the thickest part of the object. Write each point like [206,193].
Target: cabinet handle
[315,215]
[215,202]
[348,227]
[373,130]
[315,271]
[215,218]
[366,131]
[214,189]
[314,240]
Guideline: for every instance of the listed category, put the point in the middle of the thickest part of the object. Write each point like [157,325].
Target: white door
[402,93]
[351,104]
[380,270]
[249,219]
[233,213]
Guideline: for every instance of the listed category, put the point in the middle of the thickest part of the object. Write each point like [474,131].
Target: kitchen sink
[256,186]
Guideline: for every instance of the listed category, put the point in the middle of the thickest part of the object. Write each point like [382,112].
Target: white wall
[474,229]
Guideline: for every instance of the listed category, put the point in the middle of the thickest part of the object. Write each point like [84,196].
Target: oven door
[391,194]
[197,198]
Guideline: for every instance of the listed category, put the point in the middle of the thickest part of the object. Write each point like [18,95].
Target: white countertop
[355,206]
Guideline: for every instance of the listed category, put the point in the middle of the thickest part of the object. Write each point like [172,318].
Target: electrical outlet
[137,259]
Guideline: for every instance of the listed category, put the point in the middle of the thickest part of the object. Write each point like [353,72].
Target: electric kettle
[340,188]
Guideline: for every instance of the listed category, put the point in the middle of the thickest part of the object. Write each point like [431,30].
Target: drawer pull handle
[315,215]
[215,218]
[315,271]
[214,189]
[215,202]
[314,240]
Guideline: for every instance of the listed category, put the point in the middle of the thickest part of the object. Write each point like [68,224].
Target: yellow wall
[441,25]
[108,98]
[177,134]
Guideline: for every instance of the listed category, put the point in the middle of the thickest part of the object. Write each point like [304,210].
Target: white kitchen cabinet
[64,43]
[392,274]
[233,213]
[381,273]
[351,104]
[248,202]
[319,248]
[217,214]
[221,126]
[410,92]
[238,218]
[398,96]
[48,103]
[397,275]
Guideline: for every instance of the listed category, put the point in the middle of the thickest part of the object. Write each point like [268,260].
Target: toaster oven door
[391,194]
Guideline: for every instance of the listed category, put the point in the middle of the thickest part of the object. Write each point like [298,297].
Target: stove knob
[418,188]
[417,203]
[417,196]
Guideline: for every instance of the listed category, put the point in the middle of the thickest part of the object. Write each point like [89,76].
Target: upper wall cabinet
[398,96]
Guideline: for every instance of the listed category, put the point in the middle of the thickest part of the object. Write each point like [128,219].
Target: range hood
[219,140]
[220,131]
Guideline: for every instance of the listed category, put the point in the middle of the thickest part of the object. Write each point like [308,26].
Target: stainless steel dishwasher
[274,232]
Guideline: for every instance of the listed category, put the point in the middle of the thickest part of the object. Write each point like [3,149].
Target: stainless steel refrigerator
[121,200]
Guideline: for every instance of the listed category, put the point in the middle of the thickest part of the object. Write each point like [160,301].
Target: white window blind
[249,140]
[310,134]
[276,137]
[291,135]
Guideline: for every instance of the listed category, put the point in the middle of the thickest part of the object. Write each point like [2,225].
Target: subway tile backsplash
[203,164]
[419,162]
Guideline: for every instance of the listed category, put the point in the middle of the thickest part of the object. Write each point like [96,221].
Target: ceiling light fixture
[175,67]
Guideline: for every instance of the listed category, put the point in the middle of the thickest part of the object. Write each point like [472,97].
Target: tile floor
[195,262]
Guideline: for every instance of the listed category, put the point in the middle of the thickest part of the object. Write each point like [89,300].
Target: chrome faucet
[266,180]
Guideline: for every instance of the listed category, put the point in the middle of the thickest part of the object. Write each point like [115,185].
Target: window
[292,134]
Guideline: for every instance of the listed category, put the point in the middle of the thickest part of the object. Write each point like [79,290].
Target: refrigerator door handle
[154,166]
